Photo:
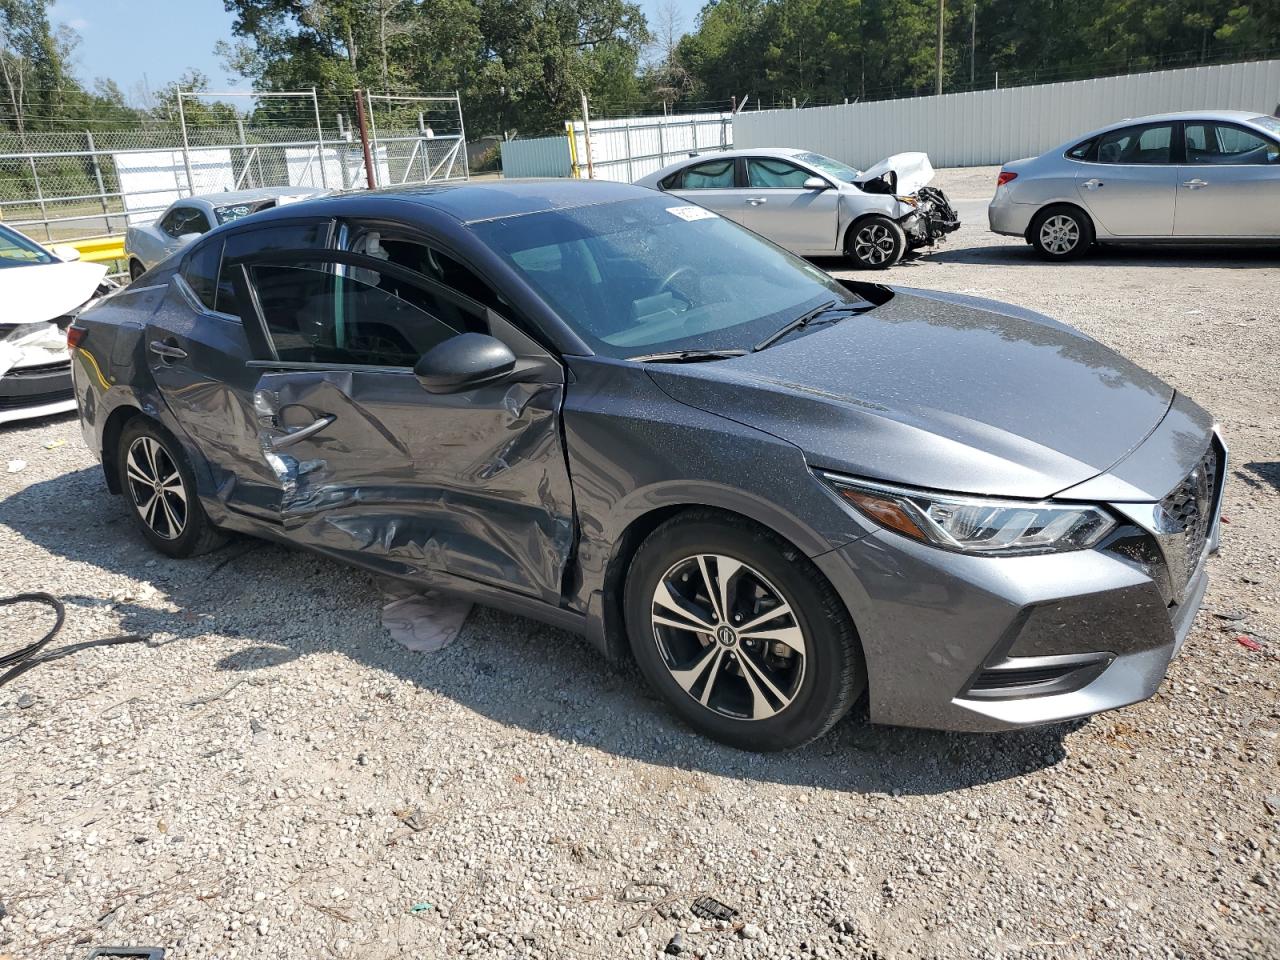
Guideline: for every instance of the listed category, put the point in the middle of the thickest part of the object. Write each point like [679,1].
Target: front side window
[283,236]
[766,173]
[713,175]
[17,251]
[653,275]
[331,313]
[1149,143]
[1220,143]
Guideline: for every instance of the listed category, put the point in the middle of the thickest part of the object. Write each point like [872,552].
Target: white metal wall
[631,147]
[539,157]
[995,126]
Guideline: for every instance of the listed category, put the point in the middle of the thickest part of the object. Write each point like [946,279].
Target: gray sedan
[1211,176]
[815,206]
[191,217]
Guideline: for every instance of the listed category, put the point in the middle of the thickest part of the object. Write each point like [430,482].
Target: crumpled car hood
[913,171]
[940,391]
[45,291]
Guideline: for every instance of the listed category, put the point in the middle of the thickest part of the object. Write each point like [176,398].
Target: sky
[153,41]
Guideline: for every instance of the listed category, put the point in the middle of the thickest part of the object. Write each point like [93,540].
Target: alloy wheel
[156,488]
[873,244]
[1060,234]
[728,637]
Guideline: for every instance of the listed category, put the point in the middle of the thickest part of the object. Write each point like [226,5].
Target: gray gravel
[272,776]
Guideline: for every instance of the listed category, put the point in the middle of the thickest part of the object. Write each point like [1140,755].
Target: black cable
[24,658]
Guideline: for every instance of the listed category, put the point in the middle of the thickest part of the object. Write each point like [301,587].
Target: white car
[188,218]
[41,291]
[815,206]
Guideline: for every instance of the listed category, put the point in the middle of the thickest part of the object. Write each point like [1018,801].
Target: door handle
[289,439]
[1195,183]
[1093,184]
[168,350]
[756,201]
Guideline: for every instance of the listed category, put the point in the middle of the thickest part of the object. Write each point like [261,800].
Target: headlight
[979,525]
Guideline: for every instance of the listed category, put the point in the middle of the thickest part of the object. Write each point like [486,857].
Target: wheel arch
[860,218]
[110,452]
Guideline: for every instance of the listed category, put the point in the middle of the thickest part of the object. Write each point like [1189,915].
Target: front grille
[1189,509]
[36,399]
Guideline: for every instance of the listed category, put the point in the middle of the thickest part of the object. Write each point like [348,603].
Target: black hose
[25,658]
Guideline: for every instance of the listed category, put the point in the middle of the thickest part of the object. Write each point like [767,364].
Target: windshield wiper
[688,356]
[803,321]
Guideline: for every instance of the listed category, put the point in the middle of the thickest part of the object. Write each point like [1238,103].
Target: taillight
[1005,177]
[76,336]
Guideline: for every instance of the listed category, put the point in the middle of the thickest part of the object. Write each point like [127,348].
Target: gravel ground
[271,775]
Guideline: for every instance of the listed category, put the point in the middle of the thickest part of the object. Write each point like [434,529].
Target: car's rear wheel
[875,243]
[136,270]
[1061,233]
[740,634]
[159,486]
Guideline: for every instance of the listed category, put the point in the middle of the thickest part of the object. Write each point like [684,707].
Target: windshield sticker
[693,213]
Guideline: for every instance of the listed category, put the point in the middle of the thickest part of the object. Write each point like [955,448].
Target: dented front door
[371,467]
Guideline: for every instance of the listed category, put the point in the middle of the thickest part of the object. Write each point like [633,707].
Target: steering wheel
[670,277]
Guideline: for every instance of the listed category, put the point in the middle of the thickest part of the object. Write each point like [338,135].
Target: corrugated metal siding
[541,157]
[627,148]
[995,126]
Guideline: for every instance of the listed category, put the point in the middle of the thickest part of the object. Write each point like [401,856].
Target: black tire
[136,270]
[1061,233]
[875,243]
[193,534]
[820,686]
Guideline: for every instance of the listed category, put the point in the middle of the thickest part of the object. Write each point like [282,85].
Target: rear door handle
[1093,184]
[289,439]
[1195,183]
[168,350]
[756,201]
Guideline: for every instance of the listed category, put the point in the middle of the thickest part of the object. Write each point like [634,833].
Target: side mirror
[464,362]
[65,252]
[816,183]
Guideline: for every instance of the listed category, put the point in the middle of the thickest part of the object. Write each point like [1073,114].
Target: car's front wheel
[875,243]
[740,633]
[160,488]
[1061,233]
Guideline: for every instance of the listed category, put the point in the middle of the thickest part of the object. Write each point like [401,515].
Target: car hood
[46,291]
[940,391]
[912,171]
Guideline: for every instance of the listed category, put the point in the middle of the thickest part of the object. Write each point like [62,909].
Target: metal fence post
[462,136]
[245,156]
[44,213]
[186,146]
[97,175]
[315,102]
[627,133]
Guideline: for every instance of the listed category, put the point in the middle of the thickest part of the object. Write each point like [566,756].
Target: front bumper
[36,391]
[970,643]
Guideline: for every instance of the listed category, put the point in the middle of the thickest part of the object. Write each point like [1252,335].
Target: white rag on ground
[423,621]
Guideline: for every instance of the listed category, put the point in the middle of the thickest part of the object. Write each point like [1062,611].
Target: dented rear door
[372,468]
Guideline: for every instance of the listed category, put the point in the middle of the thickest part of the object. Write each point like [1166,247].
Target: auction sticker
[693,213]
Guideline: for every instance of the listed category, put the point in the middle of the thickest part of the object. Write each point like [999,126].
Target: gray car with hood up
[624,415]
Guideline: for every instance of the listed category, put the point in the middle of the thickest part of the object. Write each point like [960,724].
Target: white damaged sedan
[815,206]
[41,291]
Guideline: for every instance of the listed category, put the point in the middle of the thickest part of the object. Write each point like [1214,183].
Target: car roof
[471,201]
[1233,116]
[227,197]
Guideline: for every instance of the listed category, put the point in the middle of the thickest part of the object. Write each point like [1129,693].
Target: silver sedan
[188,218]
[1211,176]
[815,206]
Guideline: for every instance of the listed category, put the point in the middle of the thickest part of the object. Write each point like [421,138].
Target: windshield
[237,210]
[832,168]
[17,251]
[653,275]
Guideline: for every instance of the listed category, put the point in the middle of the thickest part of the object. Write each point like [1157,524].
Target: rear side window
[200,271]
[335,314]
[284,236]
[1081,151]
[1146,143]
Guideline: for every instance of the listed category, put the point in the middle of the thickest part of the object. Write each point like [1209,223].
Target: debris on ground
[709,908]
[423,621]
[17,466]
[675,946]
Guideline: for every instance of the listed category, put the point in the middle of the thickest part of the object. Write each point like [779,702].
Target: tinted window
[769,174]
[200,270]
[1149,143]
[327,313]
[1219,143]
[713,175]
[284,236]
[653,275]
